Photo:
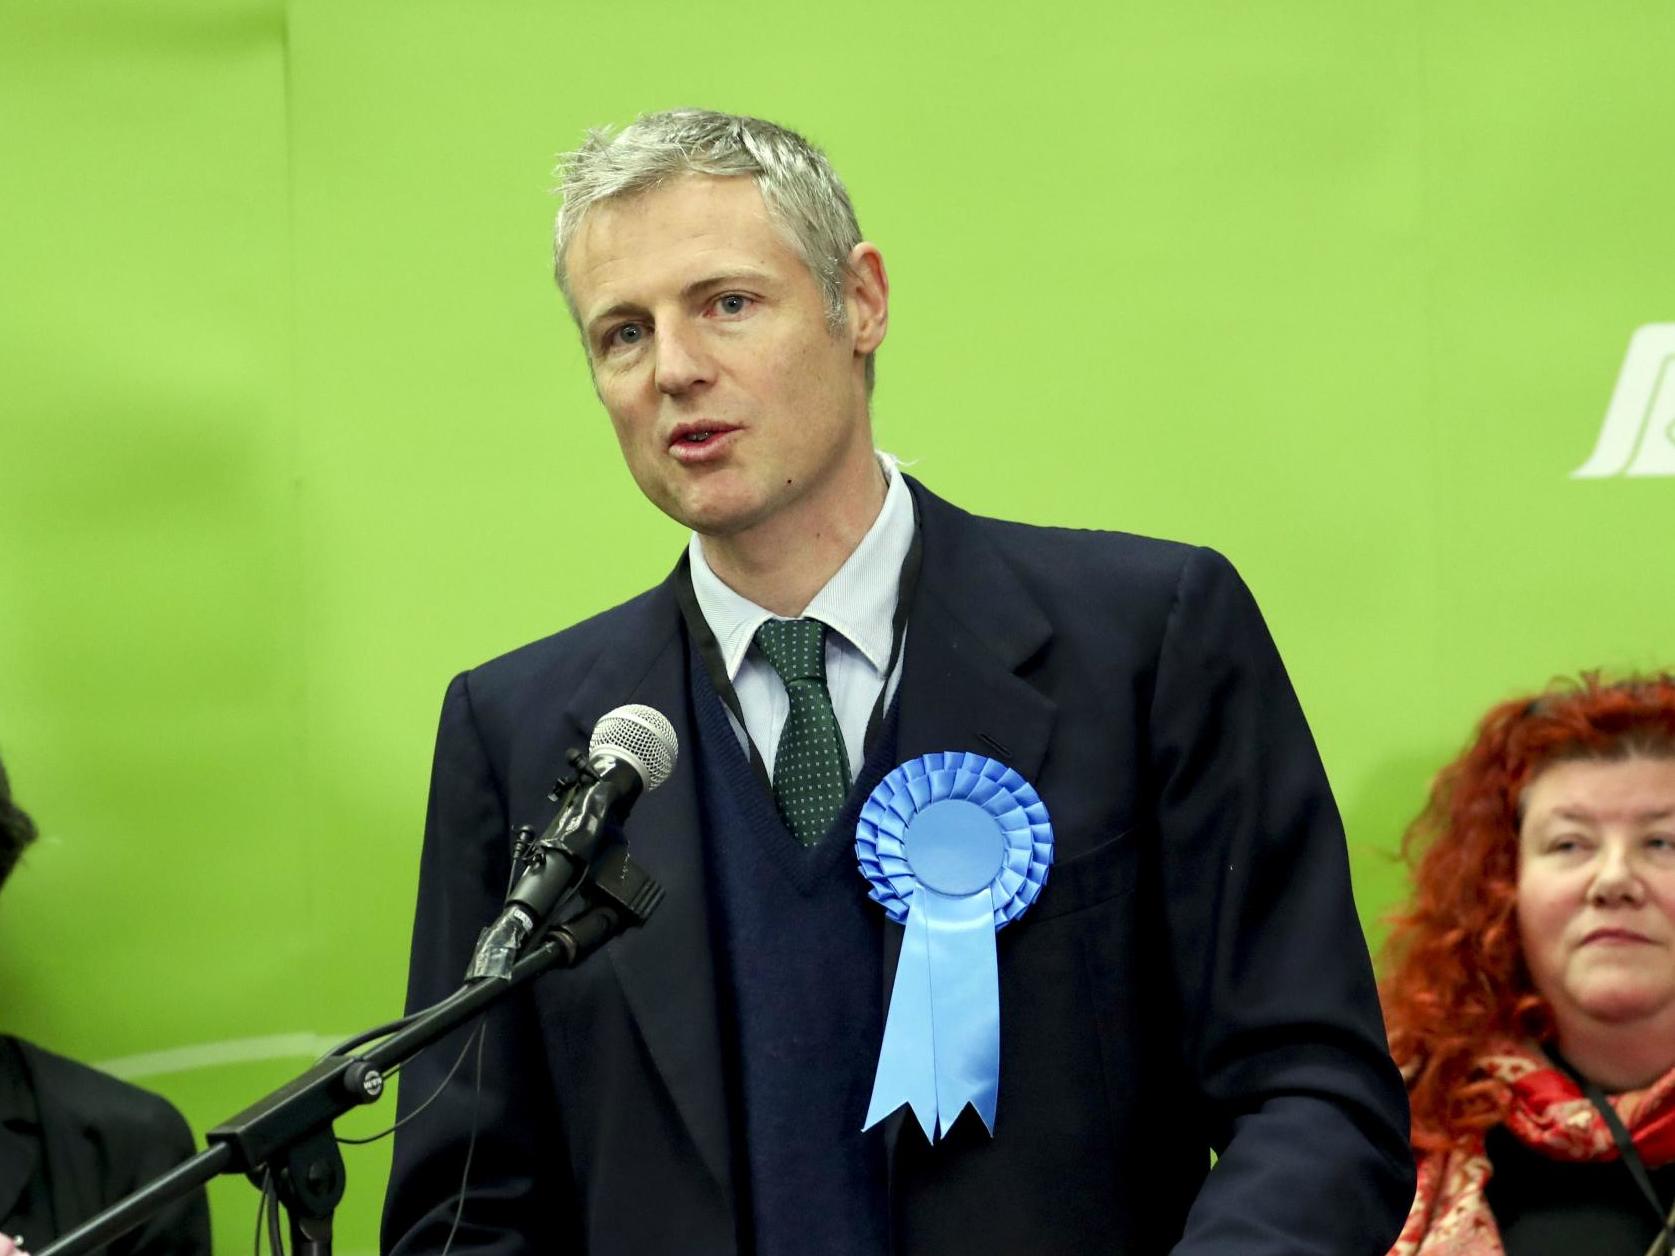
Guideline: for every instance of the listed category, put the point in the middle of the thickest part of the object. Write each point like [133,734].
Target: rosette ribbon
[955,847]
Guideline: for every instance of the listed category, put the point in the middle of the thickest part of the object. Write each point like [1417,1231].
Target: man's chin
[720,518]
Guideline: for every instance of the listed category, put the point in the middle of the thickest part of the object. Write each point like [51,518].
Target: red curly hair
[1455,978]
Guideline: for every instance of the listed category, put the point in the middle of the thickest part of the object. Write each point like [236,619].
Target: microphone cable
[475,1038]
[268,1205]
[267,1209]
[470,1147]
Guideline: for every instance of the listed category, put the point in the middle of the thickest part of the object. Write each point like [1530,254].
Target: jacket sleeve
[1280,1017]
[493,1109]
[181,1229]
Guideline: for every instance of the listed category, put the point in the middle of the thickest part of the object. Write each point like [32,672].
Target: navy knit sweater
[802,1002]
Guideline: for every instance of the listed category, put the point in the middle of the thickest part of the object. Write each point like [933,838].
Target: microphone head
[641,736]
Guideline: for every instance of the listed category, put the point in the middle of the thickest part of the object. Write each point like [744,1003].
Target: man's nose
[1616,879]
[682,364]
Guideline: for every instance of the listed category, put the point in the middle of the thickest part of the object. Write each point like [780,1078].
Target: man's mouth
[688,434]
[695,444]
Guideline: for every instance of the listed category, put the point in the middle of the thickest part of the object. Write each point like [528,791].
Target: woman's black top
[1547,1207]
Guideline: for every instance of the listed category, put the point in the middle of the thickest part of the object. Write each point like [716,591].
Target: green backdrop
[293,425]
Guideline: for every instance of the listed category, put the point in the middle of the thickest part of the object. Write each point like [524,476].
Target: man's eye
[626,336]
[732,303]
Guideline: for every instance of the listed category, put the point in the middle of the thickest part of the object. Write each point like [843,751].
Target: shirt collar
[859,601]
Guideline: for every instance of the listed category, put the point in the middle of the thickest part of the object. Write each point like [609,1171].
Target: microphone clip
[568,780]
[522,839]
[569,834]
[582,852]
[619,894]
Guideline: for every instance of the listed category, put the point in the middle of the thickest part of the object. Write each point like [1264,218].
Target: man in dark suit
[1192,978]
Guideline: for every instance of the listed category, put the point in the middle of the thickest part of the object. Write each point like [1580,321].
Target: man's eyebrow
[743,274]
[615,311]
[720,279]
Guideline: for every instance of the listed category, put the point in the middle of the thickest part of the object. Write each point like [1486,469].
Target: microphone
[633,749]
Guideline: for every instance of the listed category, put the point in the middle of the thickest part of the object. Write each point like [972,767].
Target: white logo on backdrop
[1638,435]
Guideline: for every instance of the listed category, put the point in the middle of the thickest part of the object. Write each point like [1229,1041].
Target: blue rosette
[955,846]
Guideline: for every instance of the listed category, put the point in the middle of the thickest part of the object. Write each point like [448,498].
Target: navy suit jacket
[1193,976]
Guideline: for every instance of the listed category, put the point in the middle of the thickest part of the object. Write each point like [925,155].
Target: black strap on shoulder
[710,650]
[906,585]
[1631,1159]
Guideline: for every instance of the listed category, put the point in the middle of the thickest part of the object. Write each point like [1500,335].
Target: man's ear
[867,297]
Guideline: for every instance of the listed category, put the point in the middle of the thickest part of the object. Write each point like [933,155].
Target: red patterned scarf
[1546,1111]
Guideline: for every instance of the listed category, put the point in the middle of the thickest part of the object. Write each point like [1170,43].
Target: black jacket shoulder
[101,1138]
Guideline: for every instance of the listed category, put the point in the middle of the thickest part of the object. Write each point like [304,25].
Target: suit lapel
[667,969]
[972,625]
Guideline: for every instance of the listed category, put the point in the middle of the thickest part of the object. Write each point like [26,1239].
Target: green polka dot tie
[811,769]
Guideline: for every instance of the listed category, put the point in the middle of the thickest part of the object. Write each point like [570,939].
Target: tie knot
[795,648]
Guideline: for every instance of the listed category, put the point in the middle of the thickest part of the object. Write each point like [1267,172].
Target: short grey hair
[798,185]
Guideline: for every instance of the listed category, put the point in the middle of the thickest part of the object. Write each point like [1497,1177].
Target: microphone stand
[288,1132]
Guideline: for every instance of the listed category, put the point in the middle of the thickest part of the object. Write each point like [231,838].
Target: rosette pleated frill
[955,846]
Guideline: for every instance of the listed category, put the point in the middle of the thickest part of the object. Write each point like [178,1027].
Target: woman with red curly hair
[1530,987]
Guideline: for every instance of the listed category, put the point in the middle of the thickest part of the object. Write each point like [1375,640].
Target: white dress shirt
[858,607]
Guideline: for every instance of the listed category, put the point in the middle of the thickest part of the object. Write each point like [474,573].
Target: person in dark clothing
[73,1140]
